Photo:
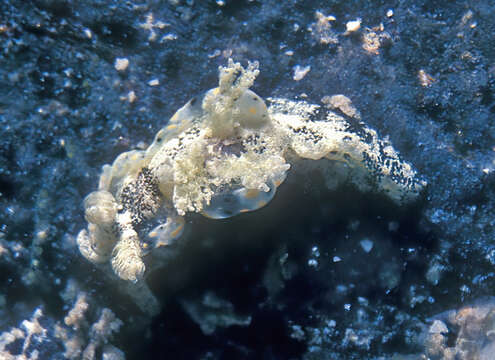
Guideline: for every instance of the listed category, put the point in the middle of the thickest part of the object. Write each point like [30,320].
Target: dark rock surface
[423,75]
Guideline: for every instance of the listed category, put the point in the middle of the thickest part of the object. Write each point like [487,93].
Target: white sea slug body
[221,154]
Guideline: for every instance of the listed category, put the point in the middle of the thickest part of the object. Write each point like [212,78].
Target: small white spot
[390,13]
[336,259]
[168,37]
[315,251]
[300,72]
[363,301]
[154,82]
[88,33]
[215,54]
[425,79]
[121,64]
[367,245]
[353,26]
[312,263]
[131,96]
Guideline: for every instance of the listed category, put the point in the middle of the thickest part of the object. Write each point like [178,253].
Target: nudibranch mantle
[222,154]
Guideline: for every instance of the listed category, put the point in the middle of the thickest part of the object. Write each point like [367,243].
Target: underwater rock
[465,333]
[85,333]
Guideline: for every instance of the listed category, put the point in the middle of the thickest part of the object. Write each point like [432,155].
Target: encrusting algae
[222,154]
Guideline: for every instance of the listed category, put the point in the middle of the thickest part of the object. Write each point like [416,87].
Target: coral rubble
[84,334]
